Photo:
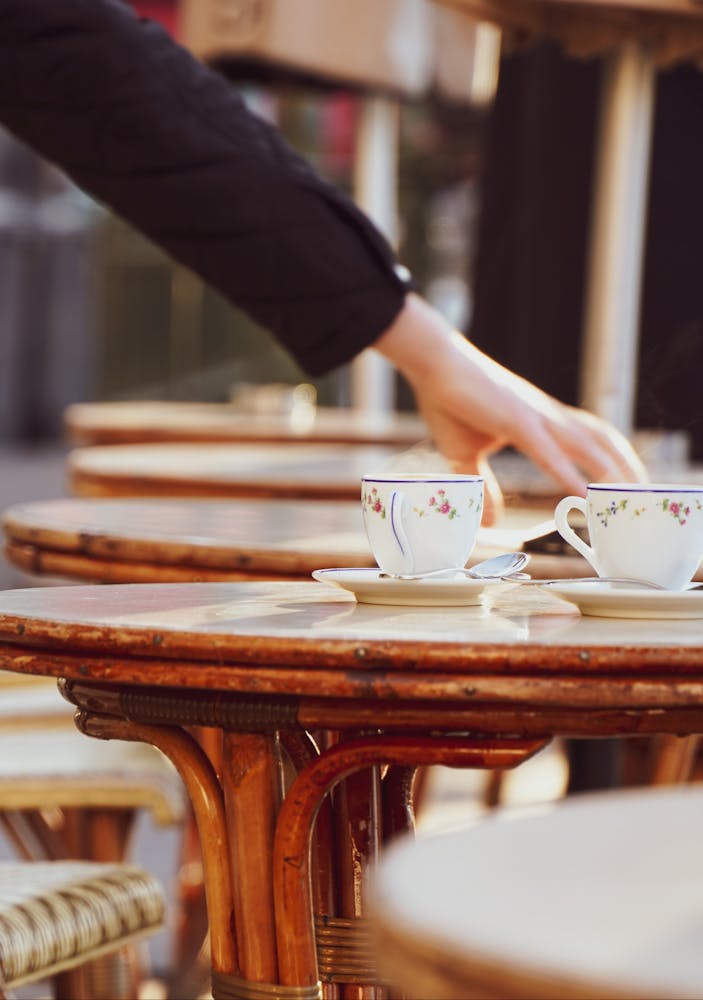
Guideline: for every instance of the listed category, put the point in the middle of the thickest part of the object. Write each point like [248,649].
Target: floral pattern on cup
[610,511]
[681,512]
[438,503]
[373,502]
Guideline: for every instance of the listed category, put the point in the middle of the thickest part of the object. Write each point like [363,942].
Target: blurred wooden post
[614,281]
[375,191]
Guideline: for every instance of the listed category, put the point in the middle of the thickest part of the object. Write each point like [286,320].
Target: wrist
[417,340]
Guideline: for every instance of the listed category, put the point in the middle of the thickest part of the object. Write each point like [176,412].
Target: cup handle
[397,503]
[561,515]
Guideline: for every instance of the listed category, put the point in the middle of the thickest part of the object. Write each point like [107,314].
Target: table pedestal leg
[251,775]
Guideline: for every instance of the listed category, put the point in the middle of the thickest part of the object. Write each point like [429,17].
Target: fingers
[620,461]
[546,452]
[597,448]
[542,439]
[575,446]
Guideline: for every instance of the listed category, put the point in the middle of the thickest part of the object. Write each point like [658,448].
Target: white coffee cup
[421,522]
[652,531]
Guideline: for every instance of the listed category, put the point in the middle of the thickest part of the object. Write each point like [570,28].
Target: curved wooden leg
[302,750]
[207,801]
[190,963]
[291,863]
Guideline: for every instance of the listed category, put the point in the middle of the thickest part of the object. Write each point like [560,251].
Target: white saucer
[369,587]
[607,601]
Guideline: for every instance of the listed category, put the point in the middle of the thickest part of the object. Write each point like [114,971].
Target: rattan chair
[64,798]
[58,916]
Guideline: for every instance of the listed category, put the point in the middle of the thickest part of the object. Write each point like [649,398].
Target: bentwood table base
[302,942]
[302,936]
[306,941]
[267,665]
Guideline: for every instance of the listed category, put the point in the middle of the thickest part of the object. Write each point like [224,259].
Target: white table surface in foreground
[596,897]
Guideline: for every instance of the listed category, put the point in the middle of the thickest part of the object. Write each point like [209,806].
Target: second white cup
[420,523]
[652,531]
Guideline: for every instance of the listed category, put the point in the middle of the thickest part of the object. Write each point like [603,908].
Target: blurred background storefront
[493,210]
[537,160]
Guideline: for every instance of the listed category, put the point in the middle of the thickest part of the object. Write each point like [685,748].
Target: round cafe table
[133,540]
[293,470]
[268,664]
[282,471]
[152,421]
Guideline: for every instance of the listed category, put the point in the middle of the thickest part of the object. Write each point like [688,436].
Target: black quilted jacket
[148,130]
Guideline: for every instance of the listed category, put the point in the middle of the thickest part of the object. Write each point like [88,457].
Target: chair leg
[495,781]
[72,985]
[105,835]
[674,758]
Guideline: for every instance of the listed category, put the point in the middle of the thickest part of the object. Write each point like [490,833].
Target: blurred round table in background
[292,470]
[137,541]
[144,422]
[282,471]
[149,541]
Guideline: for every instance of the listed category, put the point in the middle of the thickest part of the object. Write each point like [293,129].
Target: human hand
[474,407]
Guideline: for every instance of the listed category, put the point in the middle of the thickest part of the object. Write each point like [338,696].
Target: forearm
[416,341]
[168,144]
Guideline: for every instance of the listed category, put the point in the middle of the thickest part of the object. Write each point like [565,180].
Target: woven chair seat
[57,915]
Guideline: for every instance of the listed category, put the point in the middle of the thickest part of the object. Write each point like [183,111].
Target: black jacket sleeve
[144,127]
